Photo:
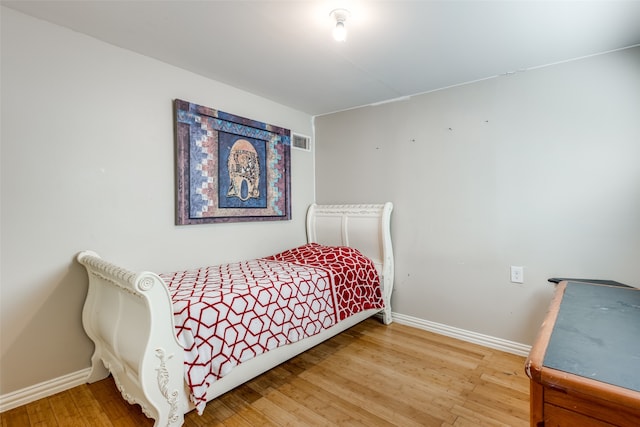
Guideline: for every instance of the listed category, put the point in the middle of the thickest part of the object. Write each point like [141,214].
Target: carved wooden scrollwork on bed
[163,383]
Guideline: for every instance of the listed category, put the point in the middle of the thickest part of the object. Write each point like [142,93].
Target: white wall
[88,163]
[539,169]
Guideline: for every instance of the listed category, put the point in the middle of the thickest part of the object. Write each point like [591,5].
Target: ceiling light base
[340,16]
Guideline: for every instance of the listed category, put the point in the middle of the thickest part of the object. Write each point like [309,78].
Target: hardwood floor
[370,375]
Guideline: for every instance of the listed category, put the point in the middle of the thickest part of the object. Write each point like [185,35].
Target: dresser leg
[536,404]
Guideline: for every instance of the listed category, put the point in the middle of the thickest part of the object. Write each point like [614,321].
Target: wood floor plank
[331,407]
[349,412]
[370,375]
[468,417]
[216,411]
[275,413]
[15,417]
[208,419]
[243,412]
[249,416]
[296,408]
[439,352]
[66,411]
[400,370]
[366,394]
[41,414]
[501,404]
[508,373]
[91,407]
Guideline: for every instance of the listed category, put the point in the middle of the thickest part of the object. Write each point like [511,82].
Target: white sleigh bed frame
[129,317]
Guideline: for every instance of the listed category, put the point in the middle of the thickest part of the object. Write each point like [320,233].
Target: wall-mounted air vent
[301,142]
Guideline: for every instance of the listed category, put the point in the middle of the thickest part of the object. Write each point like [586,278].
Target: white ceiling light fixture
[340,16]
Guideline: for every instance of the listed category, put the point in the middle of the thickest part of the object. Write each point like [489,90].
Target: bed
[133,317]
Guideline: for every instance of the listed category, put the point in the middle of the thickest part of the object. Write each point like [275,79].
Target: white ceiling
[284,51]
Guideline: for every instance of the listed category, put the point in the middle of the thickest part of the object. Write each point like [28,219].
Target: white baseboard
[42,390]
[464,335]
[51,387]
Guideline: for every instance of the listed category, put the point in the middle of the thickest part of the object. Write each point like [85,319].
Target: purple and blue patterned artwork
[230,168]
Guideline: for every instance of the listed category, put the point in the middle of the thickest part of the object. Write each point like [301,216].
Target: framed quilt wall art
[230,168]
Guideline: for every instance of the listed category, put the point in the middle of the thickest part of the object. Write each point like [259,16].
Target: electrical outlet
[517,274]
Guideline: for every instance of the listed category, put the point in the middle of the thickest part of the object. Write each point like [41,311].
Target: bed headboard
[363,227]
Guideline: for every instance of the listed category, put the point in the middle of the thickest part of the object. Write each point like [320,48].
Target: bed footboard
[129,318]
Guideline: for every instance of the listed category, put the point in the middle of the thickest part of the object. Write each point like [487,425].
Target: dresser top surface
[596,334]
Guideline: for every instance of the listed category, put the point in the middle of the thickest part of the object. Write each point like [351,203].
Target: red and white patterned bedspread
[227,314]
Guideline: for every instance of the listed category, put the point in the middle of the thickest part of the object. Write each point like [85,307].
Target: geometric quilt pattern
[356,280]
[230,313]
